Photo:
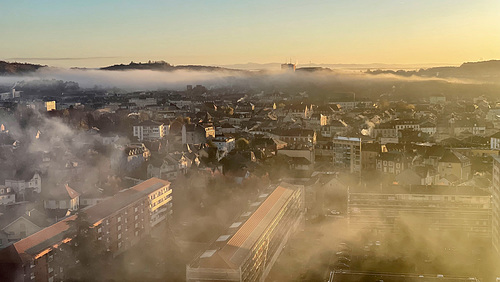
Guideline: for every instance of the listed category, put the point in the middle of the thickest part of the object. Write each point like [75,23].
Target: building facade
[253,243]
[347,153]
[456,209]
[120,222]
[150,130]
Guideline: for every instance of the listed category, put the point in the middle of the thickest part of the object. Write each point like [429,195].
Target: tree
[242,144]
[86,256]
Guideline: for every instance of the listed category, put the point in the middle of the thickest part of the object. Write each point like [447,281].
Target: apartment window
[136,217]
[99,230]
[119,219]
[136,233]
[119,227]
[119,245]
[119,236]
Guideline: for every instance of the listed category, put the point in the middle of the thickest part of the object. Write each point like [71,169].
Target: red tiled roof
[233,253]
[46,238]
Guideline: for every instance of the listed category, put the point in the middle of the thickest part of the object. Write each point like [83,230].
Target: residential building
[19,222]
[25,181]
[305,137]
[60,200]
[252,244]
[428,128]
[495,141]
[458,209]
[224,144]
[7,195]
[392,162]
[418,175]
[150,130]
[386,130]
[143,102]
[119,222]
[347,153]
[197,133]
[369,154]
[406,124]
[354,276]
[454,163]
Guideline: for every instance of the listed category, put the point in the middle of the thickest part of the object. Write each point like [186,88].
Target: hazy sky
[98,32]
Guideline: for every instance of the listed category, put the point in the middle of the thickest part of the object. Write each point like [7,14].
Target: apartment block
[120,222]
[459,209]
[252,244]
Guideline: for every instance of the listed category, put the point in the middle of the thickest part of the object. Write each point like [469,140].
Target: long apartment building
[120,222]
[460,209]
[251,245]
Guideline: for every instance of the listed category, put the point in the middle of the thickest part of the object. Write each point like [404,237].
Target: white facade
[224,144]
[7,196]
[20,185]
[495,143]
[150,130]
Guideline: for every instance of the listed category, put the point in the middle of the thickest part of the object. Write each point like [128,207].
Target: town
[245,184]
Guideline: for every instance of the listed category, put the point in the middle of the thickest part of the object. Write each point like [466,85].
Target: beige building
[442,209]
[347,153]
[454,163]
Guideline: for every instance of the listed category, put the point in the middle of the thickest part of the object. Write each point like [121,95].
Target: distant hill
[164,66]
[7,68]
[485,70]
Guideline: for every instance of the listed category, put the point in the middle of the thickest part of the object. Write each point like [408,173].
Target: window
[119,236]
[119,227]
[119,219]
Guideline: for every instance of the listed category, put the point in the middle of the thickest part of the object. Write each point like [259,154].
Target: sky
[94,33]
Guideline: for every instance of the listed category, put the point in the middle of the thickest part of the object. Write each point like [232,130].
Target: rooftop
[55,234]
[230,250]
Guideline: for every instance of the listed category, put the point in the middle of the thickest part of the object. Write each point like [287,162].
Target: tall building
[120,222]
[248,250]
[347,153]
